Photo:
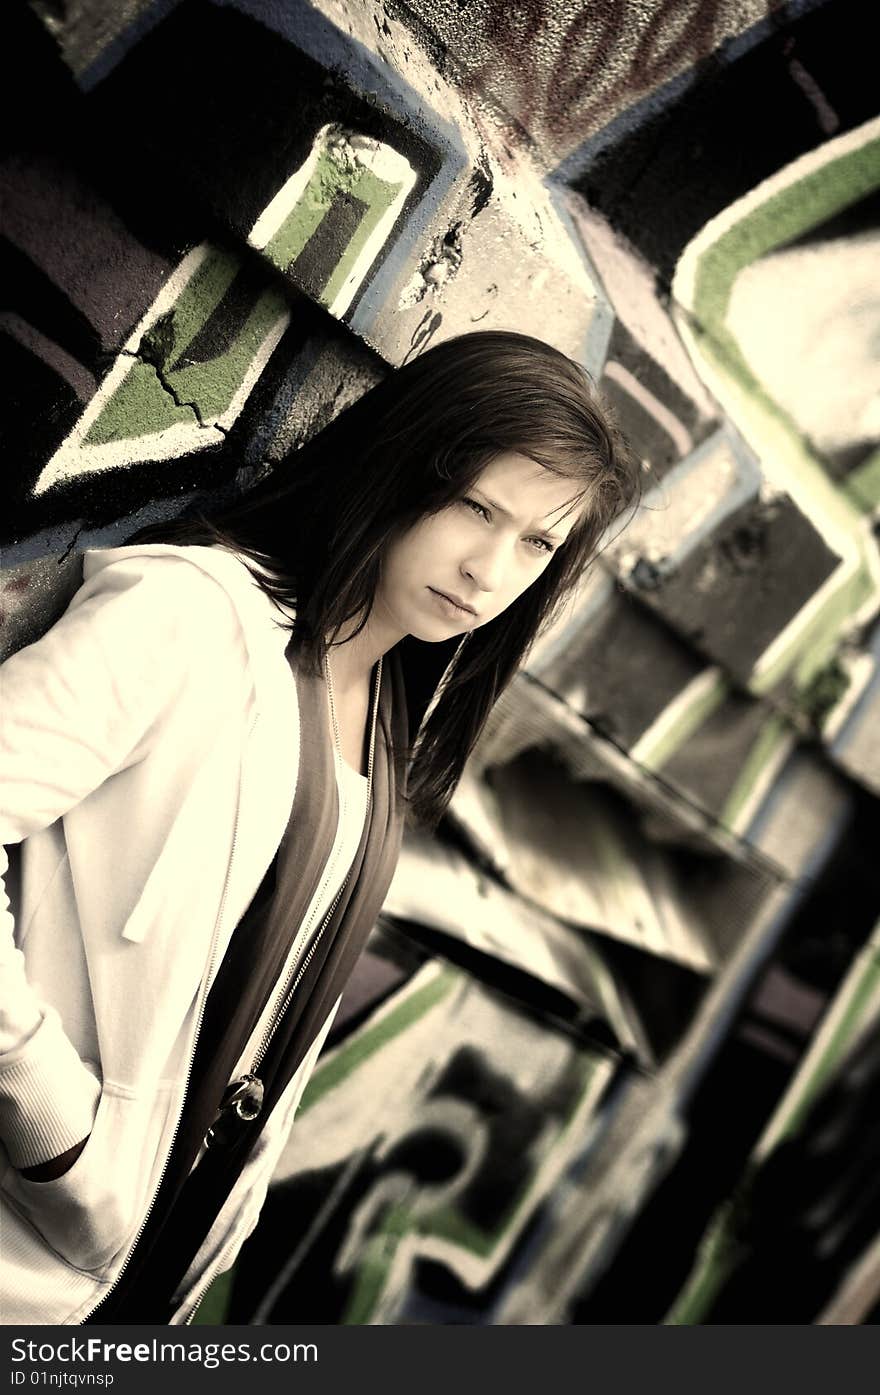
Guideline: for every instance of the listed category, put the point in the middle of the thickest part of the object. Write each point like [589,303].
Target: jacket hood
[424,665]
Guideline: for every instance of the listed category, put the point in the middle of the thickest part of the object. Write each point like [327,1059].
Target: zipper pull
[241,1103]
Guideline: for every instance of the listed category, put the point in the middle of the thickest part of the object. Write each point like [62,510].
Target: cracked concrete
[181,402]
[437,267]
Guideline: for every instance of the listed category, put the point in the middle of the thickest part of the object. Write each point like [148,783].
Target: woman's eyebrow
[493,503]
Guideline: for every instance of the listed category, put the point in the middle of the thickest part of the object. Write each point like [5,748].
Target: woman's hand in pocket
[54,1167]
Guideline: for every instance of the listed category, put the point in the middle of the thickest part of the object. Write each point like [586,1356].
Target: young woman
[205,769]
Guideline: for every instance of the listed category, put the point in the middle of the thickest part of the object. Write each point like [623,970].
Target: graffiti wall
[206,261]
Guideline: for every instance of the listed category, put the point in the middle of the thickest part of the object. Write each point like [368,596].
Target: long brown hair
[408,448]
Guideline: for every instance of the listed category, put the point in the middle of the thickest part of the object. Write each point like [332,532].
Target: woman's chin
[434,632]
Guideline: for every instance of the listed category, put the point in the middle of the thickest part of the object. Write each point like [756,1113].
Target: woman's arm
[79,705]
[48,1096]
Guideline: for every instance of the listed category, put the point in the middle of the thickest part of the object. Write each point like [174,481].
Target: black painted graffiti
[453,1174]
[559,71]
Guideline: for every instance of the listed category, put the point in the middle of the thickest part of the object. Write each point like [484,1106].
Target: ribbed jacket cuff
[48,1097]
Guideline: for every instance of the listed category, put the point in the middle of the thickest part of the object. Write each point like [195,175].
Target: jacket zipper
[216,1267]
[213,1270]
[206,985]
[286,998]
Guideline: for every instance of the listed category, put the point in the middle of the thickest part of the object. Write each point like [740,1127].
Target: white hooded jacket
[149,751]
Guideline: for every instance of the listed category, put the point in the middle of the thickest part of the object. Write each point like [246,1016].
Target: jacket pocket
[94,1210]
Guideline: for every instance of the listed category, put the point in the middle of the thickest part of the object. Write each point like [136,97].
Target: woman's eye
[541,544]
[477,507]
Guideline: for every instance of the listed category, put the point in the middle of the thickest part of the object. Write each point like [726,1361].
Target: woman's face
[458,569]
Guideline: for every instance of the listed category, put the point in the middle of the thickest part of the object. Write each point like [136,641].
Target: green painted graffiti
[163,387]
[186,371]
[348,193]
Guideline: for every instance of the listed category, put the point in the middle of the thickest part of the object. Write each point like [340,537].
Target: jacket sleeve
[79,705]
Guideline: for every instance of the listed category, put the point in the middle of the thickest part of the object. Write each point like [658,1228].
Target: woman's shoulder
[198,596]
[162,560]
[189,597]
[187,571]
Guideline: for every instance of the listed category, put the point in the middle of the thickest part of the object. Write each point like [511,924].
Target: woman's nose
[486,567]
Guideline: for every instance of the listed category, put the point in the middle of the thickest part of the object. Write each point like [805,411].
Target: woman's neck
[354,658]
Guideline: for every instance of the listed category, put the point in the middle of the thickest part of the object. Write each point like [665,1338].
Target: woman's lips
[452,605]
